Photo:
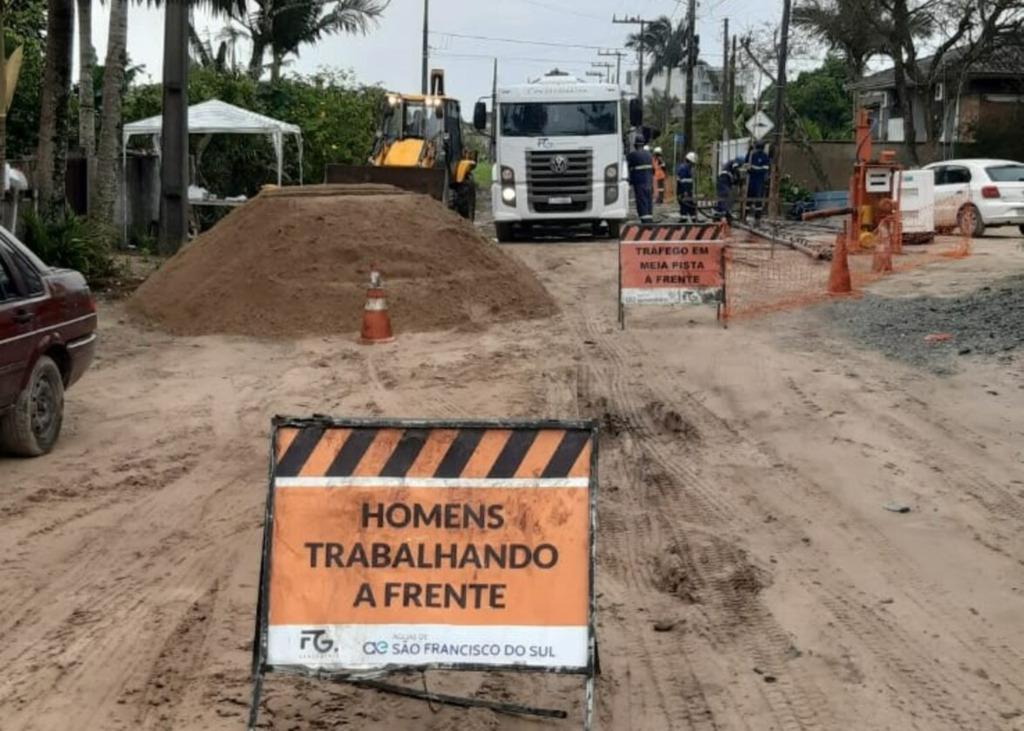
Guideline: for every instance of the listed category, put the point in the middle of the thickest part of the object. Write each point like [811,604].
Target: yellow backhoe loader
[419,147]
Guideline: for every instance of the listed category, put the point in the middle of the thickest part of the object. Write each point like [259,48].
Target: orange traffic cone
[376,320]
[839,275]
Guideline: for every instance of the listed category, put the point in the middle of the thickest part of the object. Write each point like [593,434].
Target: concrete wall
[142,184]
[836,160]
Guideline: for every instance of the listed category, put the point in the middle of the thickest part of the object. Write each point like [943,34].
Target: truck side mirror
[480,116]
[636,112]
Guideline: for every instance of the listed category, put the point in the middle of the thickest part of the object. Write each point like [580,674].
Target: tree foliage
[282,27]
[26,27]
[819,99]
[919,37]
[664,43]
[337,118]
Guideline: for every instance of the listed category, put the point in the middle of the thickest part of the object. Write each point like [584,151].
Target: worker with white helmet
[685,188]
[659,176]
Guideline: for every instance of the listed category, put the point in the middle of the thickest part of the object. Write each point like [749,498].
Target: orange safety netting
[763,277]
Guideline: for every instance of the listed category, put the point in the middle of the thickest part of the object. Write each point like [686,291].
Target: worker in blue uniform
[728,177]
[686,187]
[641,177]
[757,176]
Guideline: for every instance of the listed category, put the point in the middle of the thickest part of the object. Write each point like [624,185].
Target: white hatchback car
[992,191]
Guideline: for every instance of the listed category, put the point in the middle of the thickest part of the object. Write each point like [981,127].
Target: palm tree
[282,27]
[107,157]
[843,26]
[860,29]
[86,93]
[52,152]
[203,53]
[667,45]
[3,90]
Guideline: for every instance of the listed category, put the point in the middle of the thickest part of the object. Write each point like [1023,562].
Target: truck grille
[545,180]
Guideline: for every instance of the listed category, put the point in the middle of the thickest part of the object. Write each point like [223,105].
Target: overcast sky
[547,33]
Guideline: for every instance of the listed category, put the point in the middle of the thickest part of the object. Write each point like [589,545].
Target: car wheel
[32,426]
[503,232]
[970,222]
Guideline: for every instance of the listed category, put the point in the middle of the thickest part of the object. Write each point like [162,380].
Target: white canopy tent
[217,117]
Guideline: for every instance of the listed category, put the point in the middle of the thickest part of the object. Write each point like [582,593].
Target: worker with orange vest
[659,175]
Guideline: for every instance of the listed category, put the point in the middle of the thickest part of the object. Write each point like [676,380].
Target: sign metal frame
[721,309]
[260,666]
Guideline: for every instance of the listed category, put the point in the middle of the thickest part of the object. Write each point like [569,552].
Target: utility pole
[724,85]
[494,113]
[606,66]
[780,97]
[426,46]
[618,63]
[732,86]
[691,60]
[174,136]
[637,20]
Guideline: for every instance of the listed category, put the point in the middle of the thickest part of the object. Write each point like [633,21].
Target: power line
[446,54]
[516,41]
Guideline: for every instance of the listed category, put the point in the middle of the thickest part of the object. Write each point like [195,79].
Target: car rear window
[25,262]
[1006,173]
[6,283]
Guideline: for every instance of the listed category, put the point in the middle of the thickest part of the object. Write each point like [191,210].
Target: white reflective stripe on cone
[376,305]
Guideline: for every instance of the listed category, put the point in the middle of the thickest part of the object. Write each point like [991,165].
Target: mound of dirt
[296,262]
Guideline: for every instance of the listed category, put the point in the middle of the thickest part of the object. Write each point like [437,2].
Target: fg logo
[321,644]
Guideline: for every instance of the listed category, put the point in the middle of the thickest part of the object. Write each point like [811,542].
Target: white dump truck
[559,155]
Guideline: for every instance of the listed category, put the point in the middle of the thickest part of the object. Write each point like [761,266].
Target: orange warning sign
[416,546]
[676,264]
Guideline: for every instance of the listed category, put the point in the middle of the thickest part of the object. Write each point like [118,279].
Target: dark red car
[47,341]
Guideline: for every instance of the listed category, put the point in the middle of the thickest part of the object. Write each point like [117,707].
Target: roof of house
[1007,61]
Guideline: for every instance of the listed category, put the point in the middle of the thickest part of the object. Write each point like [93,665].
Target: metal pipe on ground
[827,213]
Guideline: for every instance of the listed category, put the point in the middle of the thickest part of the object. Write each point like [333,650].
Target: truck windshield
[558,119]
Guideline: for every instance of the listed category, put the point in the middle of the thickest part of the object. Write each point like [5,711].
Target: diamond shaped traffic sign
[759,125]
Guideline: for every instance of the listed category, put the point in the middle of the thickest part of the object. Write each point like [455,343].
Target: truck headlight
[508,195]
[611,184]
[507,175]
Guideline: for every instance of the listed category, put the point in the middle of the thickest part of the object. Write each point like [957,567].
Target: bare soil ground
[743,475]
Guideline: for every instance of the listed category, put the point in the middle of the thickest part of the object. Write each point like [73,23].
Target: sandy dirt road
[742,478]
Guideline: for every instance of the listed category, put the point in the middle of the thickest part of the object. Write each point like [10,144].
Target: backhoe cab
[419,147]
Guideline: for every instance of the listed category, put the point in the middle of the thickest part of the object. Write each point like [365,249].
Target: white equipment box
[917,201]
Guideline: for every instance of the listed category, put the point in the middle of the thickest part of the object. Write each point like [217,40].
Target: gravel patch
[933,332]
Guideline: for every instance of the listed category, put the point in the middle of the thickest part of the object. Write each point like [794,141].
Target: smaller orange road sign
[678,264]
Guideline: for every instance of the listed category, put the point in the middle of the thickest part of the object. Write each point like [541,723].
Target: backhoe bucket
[428,181]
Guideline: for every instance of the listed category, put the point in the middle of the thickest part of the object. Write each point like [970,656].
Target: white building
[707,84]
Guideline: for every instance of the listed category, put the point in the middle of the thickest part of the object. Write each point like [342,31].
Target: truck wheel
[31,427]
[503,232]
[614,229]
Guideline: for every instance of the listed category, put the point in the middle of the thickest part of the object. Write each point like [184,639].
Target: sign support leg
[588,704]
[254,707]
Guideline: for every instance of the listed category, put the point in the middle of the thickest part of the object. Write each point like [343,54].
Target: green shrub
[73,243]
[482,175]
